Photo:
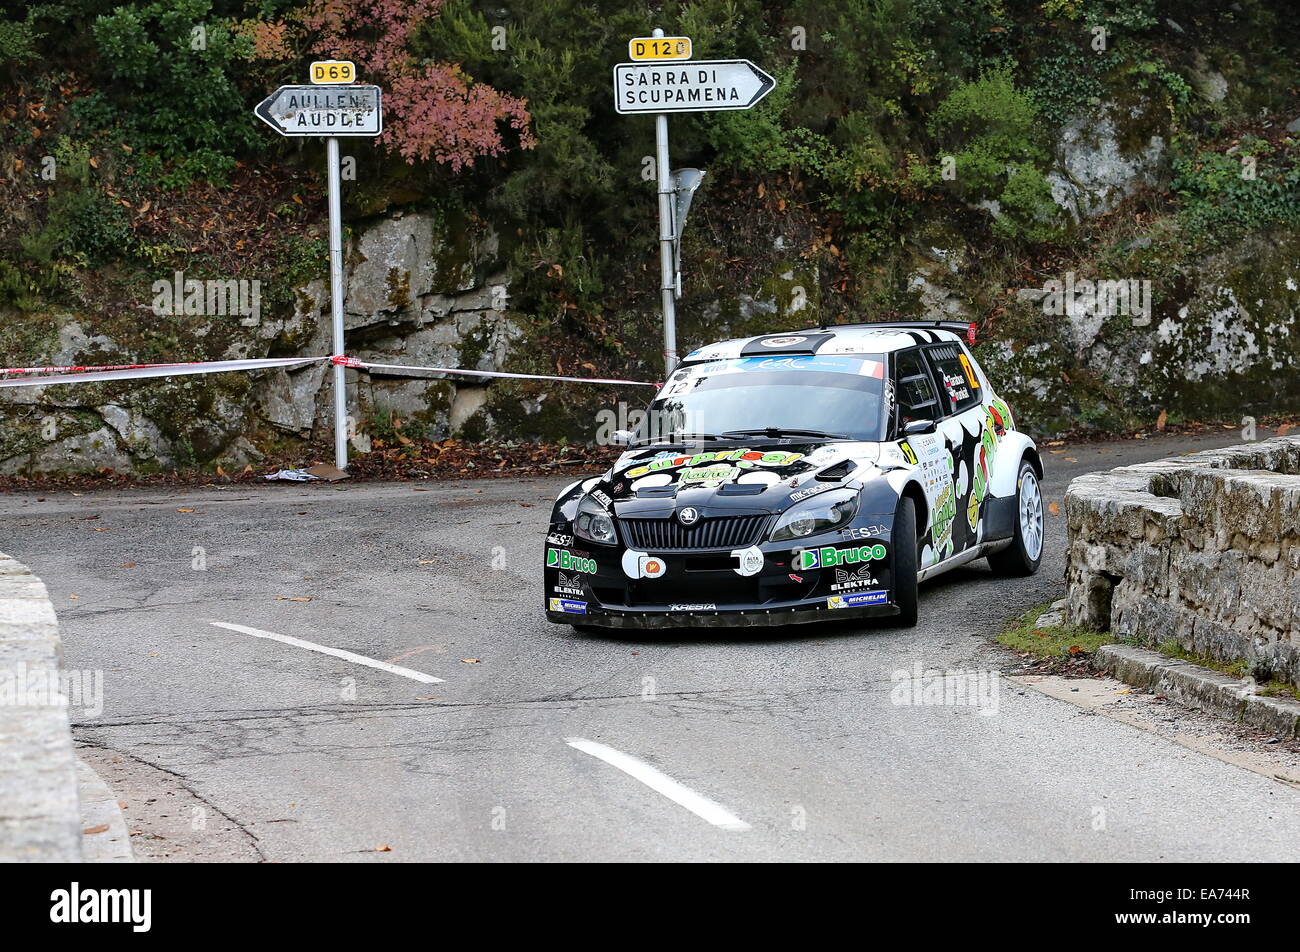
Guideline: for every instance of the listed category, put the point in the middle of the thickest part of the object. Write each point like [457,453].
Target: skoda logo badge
[688,516]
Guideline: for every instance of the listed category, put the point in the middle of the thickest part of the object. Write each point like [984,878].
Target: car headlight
[594,523]
[822,513]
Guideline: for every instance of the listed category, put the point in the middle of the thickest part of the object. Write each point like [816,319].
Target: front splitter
[737,618]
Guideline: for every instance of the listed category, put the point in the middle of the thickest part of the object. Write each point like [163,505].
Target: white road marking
[336,652]
[660,782]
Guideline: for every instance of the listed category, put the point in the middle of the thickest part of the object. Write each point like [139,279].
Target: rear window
[959,388]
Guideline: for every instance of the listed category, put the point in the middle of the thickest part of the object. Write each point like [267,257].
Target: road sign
[697,86]
[330,111]
[333,71]
[317,111]
[659,48]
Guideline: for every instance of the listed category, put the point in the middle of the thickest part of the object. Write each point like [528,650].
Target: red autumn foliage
[433,110]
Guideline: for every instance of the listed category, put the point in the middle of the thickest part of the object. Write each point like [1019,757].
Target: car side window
[959,388]
[917,399]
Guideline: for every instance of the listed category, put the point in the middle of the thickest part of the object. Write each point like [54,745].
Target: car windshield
[838,395]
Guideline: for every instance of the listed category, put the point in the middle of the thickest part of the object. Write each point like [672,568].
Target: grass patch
[1055,641]
[1237,669]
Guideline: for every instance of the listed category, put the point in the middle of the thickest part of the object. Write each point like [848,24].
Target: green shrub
[988,127]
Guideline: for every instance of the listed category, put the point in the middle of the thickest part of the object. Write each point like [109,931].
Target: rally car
[817,474]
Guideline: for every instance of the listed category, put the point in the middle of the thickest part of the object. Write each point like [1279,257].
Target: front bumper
[848,575]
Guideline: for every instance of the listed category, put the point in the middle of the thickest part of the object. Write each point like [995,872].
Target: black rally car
[802,476]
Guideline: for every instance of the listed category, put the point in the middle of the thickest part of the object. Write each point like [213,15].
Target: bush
[988,127]
[169,69]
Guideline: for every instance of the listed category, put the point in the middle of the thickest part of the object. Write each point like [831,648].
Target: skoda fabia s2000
[819,474]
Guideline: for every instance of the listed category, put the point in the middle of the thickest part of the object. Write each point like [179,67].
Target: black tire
[905,560]
[1020,558]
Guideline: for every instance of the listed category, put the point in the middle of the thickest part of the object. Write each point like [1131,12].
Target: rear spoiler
[957,327]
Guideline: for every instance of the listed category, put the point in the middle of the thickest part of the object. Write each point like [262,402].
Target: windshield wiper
[777,432]
[679,439]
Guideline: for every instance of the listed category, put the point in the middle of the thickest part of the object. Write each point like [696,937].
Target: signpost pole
[336,300]
[667,265]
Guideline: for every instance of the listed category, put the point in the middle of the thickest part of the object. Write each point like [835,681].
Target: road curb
[104,836]
[1201,688]
[39,812]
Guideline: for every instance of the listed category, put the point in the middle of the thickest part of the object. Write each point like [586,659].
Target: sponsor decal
[829,556]
[750,561]
[782,341]
[697,607]
[560,538]
[864,532]
[564,559]
[569,585]
[569,606]
[847,579]
[908,453]
[811,491]
[796,578]
[744,458]
[601,498]
[650,566]
[862,598]
[709,475]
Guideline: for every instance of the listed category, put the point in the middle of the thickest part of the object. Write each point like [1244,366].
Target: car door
[917,398]
[968,439]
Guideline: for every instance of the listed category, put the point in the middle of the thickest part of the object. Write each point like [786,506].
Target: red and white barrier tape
[384,368]
[135,371]
[50,376]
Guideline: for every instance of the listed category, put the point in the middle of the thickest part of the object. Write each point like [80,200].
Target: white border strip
[335,652]
[661,783]
[161,370]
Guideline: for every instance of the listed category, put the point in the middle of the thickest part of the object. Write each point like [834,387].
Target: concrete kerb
[39,809]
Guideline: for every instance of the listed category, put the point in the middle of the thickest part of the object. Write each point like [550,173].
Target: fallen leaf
[1284,429]
[127,565]
[1070,459]
[469,660]
[383,849]
[1160,420]
[1054,508]
[184,510]
[103,827]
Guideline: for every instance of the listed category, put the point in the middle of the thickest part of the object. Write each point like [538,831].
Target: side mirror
[622,437]
[919,427]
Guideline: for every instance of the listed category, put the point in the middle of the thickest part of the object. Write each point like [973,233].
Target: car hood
[762,476]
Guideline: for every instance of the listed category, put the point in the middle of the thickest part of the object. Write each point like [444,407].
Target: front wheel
[1025,553]
[905,559]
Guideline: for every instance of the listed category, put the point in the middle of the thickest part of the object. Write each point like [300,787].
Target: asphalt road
[761,745]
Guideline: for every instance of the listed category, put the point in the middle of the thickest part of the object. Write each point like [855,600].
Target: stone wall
[1202,549]
[39,813]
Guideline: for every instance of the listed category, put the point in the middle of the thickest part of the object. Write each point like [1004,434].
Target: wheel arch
[914,492]
[1014,448]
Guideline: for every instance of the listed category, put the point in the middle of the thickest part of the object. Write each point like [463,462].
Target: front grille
[717,532]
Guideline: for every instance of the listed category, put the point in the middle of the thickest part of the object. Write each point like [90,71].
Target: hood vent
[838,471]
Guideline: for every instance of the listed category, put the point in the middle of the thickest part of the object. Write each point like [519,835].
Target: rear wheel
[905,559]
[1025,553]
